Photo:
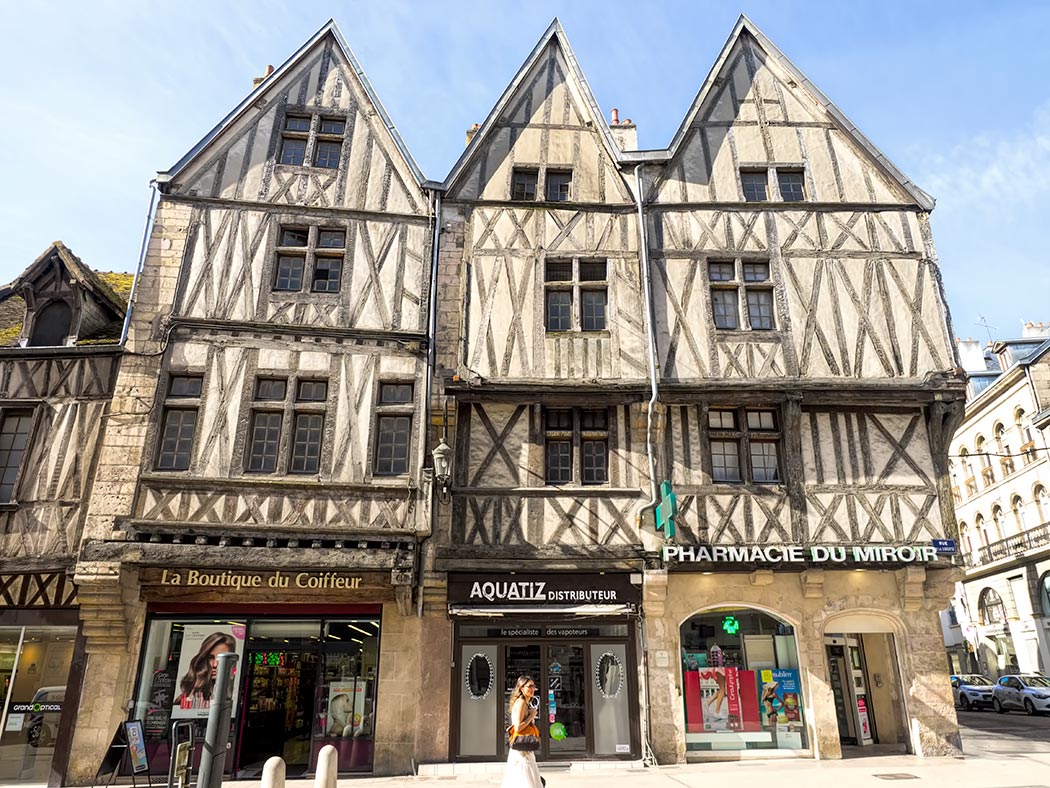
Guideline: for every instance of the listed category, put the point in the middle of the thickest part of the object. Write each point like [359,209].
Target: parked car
[1025,691]
[42,722]
[972,691]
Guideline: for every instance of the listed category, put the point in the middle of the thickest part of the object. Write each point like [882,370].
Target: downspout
[647,290]
[142,259]
[428,382]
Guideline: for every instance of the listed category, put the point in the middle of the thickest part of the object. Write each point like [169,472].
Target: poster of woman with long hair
[198,666]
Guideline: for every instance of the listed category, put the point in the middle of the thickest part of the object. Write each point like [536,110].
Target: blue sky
[101,95]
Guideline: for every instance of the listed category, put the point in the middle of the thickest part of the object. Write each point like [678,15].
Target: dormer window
[51,326]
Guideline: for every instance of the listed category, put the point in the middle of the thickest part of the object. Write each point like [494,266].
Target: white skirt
[522,771]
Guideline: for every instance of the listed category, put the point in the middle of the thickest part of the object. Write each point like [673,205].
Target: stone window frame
[290,406]
[312,136]
[578,436]
[743,435]
[178,402]
[406,409]
[741,287]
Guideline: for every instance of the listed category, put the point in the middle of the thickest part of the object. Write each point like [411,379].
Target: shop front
[574,634]
[40,658]
[311,653]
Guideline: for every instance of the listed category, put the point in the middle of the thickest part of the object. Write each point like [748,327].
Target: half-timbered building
[754,316]
[60,326]
[261,488]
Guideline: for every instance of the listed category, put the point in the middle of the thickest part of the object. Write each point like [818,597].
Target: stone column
[434,720]
[111,620]
[667,718]
[397,693]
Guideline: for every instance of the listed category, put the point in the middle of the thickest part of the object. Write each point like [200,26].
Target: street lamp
[442,454]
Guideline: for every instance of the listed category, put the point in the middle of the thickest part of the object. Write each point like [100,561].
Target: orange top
[530,730]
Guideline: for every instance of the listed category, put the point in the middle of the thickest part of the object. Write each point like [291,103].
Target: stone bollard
[327,767]
[273,773]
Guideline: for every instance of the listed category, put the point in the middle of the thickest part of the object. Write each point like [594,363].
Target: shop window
[741,295]
[393,428]
[745,445]
[576,446]
[179,423]
[741,682]
[576,295]
[990,608]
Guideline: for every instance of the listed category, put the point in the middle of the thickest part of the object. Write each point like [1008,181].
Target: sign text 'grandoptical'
[314,581]
[798,554]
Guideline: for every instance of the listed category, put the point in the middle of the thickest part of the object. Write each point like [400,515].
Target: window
[1044,594]
[792,185]
[52,325]
[523,184]
[1043,503]
[745,445]
[754,185]
[559,185]
[301,249]
[576,295]
[303,133]
[1020,515]
[14,437]
[179,422]
[305,414]
[393,428]
[572,432]
[990,608]
[741,294]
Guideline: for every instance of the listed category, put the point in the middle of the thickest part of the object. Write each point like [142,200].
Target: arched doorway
[864,676]
[741,682]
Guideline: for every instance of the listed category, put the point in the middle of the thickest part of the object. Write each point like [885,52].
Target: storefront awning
[491,611]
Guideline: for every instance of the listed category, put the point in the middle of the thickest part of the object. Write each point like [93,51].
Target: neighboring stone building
[261,486]
[783,289]
[1001,483]
[60,326]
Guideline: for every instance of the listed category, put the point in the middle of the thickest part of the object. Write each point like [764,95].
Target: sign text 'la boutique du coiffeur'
[799,554]
[275,579]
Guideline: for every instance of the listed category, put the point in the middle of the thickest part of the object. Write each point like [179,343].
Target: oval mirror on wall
[608,675]
[479,676]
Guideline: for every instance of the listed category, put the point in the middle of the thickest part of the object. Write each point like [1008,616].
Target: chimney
[1039,329]
[971,355]
[471,132]
[259,80]
[624,132]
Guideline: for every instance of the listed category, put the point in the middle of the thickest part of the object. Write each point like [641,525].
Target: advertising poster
[136,740]
[349,710]
[198,661]
[780,697]
[721,699]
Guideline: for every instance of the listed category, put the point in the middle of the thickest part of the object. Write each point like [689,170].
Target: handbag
[525,742]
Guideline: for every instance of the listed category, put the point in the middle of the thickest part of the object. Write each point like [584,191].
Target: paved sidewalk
[1016,771]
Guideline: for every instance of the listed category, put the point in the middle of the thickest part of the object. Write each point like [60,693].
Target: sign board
[546,590]
[819,555]
[945,546]
[136,740]
[239,580]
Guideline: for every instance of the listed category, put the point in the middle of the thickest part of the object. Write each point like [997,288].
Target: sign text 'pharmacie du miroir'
[798,554]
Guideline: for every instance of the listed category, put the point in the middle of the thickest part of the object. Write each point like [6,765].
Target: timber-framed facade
[753,316]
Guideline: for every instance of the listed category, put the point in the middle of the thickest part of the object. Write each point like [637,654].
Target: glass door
[566,701]
[524,660]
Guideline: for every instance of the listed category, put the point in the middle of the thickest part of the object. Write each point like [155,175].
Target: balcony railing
[988,475]
[1010,546]
[971,487]
[1028,450]
[956,495]
[1007,464]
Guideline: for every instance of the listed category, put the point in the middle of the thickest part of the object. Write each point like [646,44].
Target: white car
[972,691]
[1026,691]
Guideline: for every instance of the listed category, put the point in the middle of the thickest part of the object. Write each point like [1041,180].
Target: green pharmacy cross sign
[730,625]
[667,511]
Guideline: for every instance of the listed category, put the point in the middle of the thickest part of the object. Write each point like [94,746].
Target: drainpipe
[142,259]
[647,291]
[429,379]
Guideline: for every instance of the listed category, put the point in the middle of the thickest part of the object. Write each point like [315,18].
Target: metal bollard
[217,734]
[273,773]
[327,767]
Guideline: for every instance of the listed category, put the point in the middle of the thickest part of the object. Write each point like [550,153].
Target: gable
[757,110]
[546,118]
[240,158]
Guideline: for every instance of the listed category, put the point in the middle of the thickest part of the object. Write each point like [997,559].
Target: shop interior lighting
[334,637]
[362,631]
[358,641]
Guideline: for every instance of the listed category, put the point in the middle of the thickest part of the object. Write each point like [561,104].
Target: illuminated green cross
[730,625]
[667,511]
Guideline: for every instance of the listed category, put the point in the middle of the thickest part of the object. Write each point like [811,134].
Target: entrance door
[839,675]
[566,701]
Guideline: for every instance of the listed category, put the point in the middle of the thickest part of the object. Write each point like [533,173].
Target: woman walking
[522,771]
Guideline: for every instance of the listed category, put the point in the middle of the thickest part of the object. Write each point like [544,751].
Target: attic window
[312,140]
[754,185]
[559,185]
[523,184]
[792,185]
[51,325]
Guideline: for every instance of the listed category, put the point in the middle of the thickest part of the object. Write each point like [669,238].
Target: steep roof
[554,33]
[329,28]
[745,26]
